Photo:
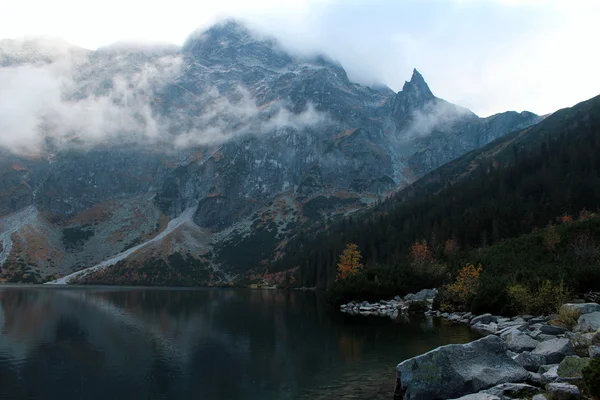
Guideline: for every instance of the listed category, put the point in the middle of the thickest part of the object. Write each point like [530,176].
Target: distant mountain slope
[260,142]
[510,187]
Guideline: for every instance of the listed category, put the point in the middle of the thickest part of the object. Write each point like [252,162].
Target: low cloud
[88,99]
[436,115]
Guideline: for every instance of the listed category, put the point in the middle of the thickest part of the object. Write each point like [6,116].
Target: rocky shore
[392,308]
[524,357]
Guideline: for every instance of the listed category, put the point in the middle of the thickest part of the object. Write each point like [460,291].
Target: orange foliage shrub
[420,253]
[451,248]
[566,218]
[349,263]
[464,288]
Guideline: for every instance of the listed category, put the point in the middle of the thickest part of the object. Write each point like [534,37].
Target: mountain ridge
[264,143]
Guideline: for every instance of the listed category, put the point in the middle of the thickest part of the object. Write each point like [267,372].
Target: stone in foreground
[589,322]
[563,391]
[457,370]
[531,362]
[555,350]
[520,342]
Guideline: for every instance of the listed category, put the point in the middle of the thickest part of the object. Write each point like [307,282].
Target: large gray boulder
[457,370]
[531,362]
[519,342]
[555,350]
[562,391]
[584,308]
[589,322]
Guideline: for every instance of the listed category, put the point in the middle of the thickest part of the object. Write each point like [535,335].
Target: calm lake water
[129,343]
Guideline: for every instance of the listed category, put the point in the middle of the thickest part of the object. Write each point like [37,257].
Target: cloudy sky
[488,55]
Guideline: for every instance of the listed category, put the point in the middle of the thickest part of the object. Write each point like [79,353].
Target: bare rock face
[456,370]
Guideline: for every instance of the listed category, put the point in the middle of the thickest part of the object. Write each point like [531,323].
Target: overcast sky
[487,55]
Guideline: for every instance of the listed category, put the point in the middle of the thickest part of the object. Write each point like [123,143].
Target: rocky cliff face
[256,141]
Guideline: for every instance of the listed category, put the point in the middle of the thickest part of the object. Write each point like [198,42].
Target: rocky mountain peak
[231,42]
[417,86]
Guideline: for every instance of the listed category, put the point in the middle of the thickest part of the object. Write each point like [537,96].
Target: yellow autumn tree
[349,263]
[464,288]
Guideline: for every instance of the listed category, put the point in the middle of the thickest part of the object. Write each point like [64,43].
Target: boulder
[535,379]
[531,362]
[554,350]
[536,320]
[572,366]
[535,333]
[519,342]
[485,329]
[457,370]
[549,372]
[589,322]
[562,391]
[513,390]
[594,351]
[539,397]
[484,319]
[583,308]
[503,333]
[542,337]
[425,294]
[479,396]
[552,330]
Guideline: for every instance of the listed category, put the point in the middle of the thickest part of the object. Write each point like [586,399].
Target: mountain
[487,202]
[198,164]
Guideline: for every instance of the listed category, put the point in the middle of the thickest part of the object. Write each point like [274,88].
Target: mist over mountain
[197,164]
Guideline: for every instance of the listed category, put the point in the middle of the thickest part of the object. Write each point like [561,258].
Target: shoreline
[524,356]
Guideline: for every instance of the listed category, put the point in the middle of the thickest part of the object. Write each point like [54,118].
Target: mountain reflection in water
[140,343]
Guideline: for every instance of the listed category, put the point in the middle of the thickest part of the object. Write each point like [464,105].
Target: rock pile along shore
[524,357]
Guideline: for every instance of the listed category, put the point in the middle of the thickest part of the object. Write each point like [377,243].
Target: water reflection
[94,343]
